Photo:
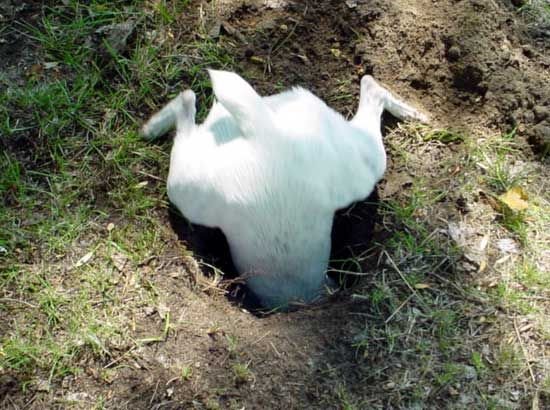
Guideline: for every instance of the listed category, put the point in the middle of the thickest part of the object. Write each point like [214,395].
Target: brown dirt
[470,64]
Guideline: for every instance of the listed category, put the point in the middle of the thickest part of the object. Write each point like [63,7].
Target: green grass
[536,10]
[241,373]
[83,215]
[425,299]
[88,168]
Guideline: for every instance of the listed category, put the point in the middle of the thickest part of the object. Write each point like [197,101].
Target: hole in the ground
[352,232]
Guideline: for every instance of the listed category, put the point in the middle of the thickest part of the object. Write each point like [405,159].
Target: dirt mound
[471,64]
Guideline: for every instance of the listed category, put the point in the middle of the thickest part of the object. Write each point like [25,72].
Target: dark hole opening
[352,232]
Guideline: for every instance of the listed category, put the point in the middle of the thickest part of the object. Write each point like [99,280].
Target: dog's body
[271,172]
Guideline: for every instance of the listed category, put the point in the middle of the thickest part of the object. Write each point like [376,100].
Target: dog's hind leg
[375,99]
[185,116]
[180,113]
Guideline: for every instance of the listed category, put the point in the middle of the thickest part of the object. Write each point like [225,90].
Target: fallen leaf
[422,286]
[515,198]
[50,65]
[35,70]
[85,259]
[258,60]
[336,52]
[482,266]
[141,184]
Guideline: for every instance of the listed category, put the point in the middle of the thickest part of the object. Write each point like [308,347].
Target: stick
[524,352]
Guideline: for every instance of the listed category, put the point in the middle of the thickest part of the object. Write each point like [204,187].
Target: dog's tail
[180,113]
[246,106]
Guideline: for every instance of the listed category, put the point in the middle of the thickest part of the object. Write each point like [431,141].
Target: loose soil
[472,65]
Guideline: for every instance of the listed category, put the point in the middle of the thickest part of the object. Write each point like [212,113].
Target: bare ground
[475,66]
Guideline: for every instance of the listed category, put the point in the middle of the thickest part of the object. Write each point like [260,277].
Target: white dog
[271,172]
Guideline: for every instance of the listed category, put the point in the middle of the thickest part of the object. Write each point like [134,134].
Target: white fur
[271,172]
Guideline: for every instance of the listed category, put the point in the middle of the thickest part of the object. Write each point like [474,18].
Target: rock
[470,373]
[351,3]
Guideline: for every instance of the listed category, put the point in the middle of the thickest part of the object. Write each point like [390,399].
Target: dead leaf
[84,260]
[515,199]
[141,184]
[50,65]
[257,60]
[336,52]
[422,286]
[482,266]
[35,70]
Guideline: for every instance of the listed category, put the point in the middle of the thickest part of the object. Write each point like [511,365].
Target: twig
[275,349]
[261,338]
[535,297]
[348,272]
[154,393]
[118,359]
[399,308]
[18,301]
[400,273]
[535,403]
[28,404]
[15,406]
[277,46]
[525,353]
[150,176]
